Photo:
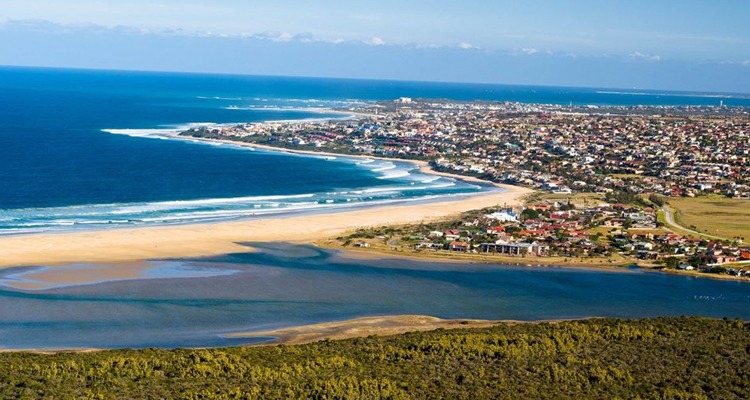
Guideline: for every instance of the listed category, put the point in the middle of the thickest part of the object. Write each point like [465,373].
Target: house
[427,244]
[495,230]
[644,246]
[503,216]
[458,246]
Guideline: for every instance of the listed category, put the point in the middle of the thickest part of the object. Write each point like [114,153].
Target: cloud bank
[42,43]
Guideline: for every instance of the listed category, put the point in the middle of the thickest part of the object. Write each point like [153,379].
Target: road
[669,218]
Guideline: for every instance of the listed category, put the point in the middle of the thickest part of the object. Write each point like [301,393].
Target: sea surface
[196,303]
[82,149]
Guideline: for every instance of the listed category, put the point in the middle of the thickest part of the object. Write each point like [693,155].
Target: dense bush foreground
[666,358]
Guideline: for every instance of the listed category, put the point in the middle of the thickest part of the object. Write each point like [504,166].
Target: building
[515,249]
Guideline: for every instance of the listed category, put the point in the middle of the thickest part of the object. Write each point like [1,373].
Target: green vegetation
[714,215]
[656,199]
[664,358]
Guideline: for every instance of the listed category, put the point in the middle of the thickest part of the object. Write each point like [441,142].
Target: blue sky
[666,44]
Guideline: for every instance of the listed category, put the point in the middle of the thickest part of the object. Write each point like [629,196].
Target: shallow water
[191,303]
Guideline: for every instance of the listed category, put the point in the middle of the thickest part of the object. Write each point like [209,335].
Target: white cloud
[284,37]
[642,56]
[745,63]
[466,46]
[529,50]
[275,36]
[376,41]
[305,37]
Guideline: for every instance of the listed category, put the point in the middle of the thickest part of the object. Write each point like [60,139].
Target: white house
[503,216]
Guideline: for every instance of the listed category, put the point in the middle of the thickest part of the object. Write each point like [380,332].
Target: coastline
[134,244]
[423,166]
[216,238]
[381,325]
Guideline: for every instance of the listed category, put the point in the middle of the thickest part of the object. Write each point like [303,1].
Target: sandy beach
[132,244]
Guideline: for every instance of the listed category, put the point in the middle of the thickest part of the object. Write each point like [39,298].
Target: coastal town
[561,232]
[608,173]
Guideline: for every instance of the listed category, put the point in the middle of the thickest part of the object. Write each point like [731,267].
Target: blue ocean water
[61,166]
[184,303]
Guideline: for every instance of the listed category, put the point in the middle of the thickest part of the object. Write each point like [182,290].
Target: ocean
[78,152]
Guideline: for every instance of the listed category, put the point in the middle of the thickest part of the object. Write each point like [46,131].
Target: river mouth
[201,302]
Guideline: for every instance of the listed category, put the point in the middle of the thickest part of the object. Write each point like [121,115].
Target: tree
[671,262]
[656,199]
[530,213]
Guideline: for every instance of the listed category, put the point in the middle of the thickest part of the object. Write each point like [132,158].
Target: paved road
[669,217]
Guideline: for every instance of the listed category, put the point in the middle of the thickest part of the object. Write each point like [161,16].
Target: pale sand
[361,327]
[120,245]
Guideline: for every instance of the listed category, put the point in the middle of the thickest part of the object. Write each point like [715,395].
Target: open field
[718,216]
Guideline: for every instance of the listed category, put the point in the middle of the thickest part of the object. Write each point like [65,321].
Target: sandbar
[75,274]
[361,327]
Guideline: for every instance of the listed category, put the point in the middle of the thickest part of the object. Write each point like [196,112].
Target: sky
[666,44]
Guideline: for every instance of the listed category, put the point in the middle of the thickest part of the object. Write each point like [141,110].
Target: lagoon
[196,302]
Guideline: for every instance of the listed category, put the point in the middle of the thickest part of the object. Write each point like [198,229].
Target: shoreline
[137,244]
[422,165]
[357,327]
[210,239]
[130,244]
[385,325]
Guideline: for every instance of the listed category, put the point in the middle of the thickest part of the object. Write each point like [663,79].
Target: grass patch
[719,216]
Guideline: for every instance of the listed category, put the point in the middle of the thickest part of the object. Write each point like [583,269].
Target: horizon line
[230,74]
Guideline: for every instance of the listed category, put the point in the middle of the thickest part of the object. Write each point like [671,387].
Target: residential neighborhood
[677,151]
[559,230]
[630,159]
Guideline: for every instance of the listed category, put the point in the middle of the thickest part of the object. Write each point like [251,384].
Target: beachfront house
[515,249]
[458,246]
